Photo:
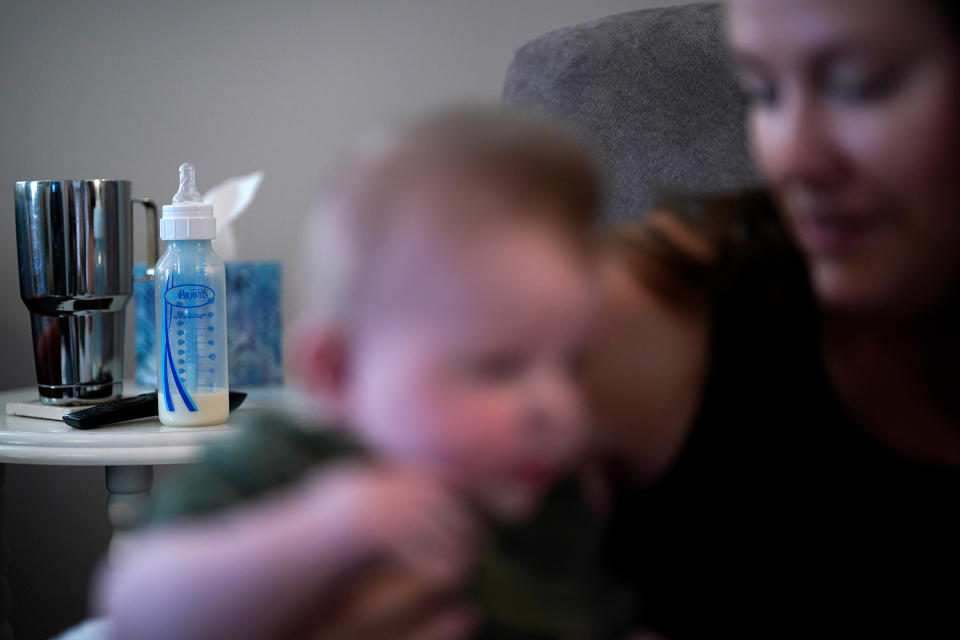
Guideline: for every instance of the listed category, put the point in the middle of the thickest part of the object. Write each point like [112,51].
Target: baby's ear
[319,356]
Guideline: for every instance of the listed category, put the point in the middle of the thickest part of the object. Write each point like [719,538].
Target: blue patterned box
[254,329]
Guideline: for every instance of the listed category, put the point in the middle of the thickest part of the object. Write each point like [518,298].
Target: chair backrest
[653,91]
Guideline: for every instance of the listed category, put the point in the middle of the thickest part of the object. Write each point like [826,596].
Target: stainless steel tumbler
[75,249]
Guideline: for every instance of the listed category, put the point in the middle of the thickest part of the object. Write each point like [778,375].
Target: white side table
[128,451]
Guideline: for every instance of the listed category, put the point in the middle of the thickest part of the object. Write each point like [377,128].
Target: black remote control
[132,408]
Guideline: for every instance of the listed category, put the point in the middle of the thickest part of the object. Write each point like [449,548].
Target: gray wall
[130,89]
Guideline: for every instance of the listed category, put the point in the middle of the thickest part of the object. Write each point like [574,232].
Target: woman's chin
[850,291]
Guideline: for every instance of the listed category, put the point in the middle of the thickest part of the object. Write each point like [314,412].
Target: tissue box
[254,330]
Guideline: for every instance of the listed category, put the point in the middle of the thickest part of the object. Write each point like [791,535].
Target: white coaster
[36,409]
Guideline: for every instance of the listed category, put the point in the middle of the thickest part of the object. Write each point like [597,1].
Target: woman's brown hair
[690,249]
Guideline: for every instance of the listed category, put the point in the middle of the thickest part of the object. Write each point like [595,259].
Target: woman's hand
[396,517]
[392,603]
[411,543]
[291,562]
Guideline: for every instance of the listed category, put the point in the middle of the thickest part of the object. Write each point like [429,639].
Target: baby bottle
[191,313]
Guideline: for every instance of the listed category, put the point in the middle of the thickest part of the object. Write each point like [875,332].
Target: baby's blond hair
[525,155]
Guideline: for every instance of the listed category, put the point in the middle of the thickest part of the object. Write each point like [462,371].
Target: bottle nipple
[187,193]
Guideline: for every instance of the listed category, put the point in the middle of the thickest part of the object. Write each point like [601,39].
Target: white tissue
[231,198]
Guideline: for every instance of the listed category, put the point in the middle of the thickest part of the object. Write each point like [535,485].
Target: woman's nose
[795,145]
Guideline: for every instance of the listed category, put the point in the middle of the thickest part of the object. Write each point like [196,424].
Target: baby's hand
[397,515]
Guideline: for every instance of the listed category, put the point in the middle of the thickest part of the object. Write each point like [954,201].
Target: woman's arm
[269,567]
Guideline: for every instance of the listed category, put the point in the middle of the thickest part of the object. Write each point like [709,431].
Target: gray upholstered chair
[653,91]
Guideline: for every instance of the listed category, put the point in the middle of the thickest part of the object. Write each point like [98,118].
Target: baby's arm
[260,571]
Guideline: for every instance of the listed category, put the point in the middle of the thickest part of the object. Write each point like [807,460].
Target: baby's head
[452,288]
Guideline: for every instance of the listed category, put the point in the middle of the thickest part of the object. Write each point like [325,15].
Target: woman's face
[854,118]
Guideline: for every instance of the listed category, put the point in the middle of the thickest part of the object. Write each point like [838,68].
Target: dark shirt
[781,515]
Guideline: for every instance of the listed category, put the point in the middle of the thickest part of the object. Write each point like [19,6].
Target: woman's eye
[758,93]
[859,88]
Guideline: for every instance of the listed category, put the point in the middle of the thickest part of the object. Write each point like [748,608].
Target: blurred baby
[450,291]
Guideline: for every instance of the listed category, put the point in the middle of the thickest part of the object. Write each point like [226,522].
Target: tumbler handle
[153,229]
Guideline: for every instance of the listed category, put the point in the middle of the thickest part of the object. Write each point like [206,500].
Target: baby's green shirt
[538,580]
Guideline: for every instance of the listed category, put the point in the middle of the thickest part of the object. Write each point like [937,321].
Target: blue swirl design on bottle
[168,359]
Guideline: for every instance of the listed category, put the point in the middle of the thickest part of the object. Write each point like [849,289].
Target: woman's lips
[536,475]
[833,233]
